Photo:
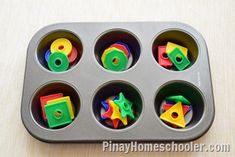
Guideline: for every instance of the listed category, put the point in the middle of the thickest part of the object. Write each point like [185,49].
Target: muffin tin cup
[53,88]
[88,82]
[112,89]
[182,38]
[118,35]
[47,39]
[187,90]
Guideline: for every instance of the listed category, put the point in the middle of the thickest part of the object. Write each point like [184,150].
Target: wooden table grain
[20,19]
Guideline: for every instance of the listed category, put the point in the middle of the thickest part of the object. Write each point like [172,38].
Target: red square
[44,99]
[163,59]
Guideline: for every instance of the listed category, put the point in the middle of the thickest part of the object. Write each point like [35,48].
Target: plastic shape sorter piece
[47,54]
[186,108]
[163,59]
[44,99]
[61,45]
[121,47]
[170,102]
[112,98]
[57,114]
[171,46]
[126,45]
[125,106]
[178,59]
[106,51]
[174,115]
[178,98]
[73,55]
[108,114]
[58,62]
[105,105]
[116,113]
[115,123]
[67,99]
[115,60]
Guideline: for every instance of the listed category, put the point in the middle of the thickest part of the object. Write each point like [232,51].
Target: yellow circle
[107,51]
[61,45]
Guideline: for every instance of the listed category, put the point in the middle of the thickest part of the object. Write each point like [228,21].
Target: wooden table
[19,20]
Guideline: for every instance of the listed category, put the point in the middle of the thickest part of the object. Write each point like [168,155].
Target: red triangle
[186,108]
[115,123]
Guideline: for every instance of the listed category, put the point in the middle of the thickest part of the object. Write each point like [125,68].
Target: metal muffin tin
[87,82]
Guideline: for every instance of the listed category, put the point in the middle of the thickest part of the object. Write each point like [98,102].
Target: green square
[179,59]
[57,114]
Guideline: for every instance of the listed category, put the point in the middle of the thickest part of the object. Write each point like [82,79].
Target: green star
[125,106]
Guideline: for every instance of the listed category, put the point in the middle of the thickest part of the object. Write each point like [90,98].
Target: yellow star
[116,113]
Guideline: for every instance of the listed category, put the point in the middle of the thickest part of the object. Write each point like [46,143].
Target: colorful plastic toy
[61,45]
[67,99]
[170,102]
[58,62]
[115,60]
[179,59]
[178,98]
[105,52]
[186,108]
[44,99]
[174,115]
[125,106]
[171,46]
[108,114]
[122,48]
[117,108]
[126,46]
[105,105]
[73,55]
[114,63]
[115,123]
[116,113]
[57,114]
[47,54]
[163,59]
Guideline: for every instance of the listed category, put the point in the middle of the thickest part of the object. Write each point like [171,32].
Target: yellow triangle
[176,110]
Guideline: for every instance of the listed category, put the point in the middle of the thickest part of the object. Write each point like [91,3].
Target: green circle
[115,60]
[58,62]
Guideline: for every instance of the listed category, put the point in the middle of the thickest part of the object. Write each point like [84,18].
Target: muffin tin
[145,82]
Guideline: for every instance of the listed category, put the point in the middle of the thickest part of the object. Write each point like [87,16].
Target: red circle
[121,47]
[73,55]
